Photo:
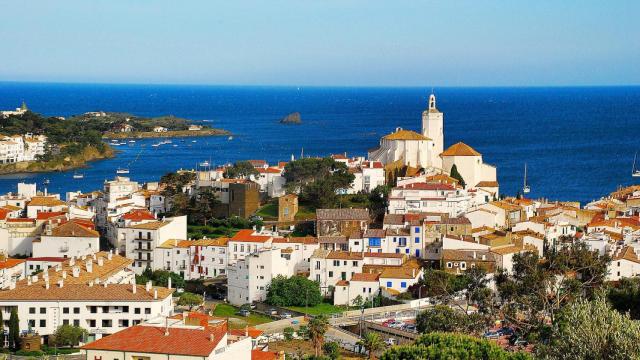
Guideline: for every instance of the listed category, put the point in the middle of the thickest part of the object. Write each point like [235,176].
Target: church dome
[460,149]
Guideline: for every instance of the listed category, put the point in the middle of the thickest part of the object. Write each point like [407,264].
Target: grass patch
[270,210]
[236,321]
[305,212]
[320,309]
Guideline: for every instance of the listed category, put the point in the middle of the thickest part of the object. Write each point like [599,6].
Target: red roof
[269,170]
[365,277]
[47,215]
[376,165]
[47,258]
[257,163]
[263,355]
[151,339]
[253,332]
[4,213]
[138,215]
[21,220]
[246,235]
[9,263]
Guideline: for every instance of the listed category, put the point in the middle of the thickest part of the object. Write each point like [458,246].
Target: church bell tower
[433,128]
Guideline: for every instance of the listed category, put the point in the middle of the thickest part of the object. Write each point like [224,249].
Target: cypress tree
[456,175]
[14,329]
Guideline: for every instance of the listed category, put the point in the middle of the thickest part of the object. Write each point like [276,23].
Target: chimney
[211,337]
[89,265]
[169,283]
[94,256]
[148,286]
[12,285]
[91,283]
[474,255]
[46,285]
[83,257]
[60,283]
[28,281]
[134,288]
[413,272]
[246,330]
[76,271]
[72,261]
[110,255]
[155,294]
[34,278]
[100,261]
[105,284]
[58,267]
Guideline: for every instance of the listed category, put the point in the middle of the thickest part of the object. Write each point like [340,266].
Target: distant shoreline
[166,134]
[79,161]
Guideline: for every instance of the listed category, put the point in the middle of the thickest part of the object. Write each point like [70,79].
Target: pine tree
[14,329]
[456,175]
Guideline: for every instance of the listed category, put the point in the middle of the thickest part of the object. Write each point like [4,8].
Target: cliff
[89,153]
[293,118]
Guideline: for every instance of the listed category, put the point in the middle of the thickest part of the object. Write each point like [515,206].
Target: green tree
[293,291]
[317,327]
[625,297]
[288,333]
[436,346]
[14,329]
[537,290]
[372,342]
[442,318]
[240,170]
[69,335]
[379,201]
[317,180]
[332,350]
[593,330]
[456,175]
[358,301]
[190,300]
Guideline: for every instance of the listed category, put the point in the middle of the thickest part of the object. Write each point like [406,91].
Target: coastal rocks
[293,118]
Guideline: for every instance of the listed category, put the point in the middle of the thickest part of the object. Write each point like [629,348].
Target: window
[417,240]
[32,323]
[105,309]
[43,323]
[106,323]
[32,310]
[364,290]
[93,309]
[402,241]
[43,310]
[147,311]
[374,241]
[335,263]
[403,284]
[92,323]
[76,322]
[330,274]
[389,284]
[65,322]
[449,265]
[355,263]
[136,311]
[65,310]
[463,265]
[76,310]
[416,230]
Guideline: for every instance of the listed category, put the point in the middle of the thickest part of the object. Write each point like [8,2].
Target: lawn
[320,309]
[305,212]
[236,321]
[305,347]
[269,211]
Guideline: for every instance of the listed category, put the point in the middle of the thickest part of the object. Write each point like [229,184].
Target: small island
[293,118]
[35,143]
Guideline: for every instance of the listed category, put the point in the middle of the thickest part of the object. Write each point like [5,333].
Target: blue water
[578,143]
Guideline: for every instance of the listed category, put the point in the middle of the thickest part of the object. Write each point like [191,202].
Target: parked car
[285,316]
[391,341]
[273,311]
[244,312]
[491,335]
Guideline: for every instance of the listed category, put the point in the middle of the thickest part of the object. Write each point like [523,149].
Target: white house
[428,197]
[469,164]
[66,240]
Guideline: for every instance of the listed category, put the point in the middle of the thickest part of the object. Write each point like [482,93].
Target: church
[426,150]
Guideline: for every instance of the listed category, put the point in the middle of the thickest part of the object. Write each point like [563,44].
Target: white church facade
[426,150]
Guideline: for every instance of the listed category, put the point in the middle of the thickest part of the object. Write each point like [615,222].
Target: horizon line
[313,86]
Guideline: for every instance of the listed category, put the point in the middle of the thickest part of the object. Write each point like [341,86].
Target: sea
[578,142]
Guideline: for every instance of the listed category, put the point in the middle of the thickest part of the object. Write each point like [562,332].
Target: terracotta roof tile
[460,149]
[402,134]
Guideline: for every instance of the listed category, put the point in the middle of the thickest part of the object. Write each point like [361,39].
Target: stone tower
[433,128]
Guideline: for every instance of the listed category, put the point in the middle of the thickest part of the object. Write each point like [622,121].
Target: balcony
[64,248]
[142,249]
[142,239]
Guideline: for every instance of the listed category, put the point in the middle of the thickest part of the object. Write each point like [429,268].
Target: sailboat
[78,175]
[635,172]
[122,171]
[525,189]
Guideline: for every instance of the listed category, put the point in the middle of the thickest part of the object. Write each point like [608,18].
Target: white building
[193,259]
[245,242]
[249,278]
[470,165]
[141,240]
[428,197]
[67,240]
[625,263]
[329,267]
[11,271]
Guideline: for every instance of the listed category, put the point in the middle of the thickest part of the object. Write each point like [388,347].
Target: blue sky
[323,42]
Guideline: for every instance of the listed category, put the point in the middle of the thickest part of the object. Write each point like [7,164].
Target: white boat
[46,181]
[635,172]
[204,164]
[525,189]
[193,141]
[78,176]
[122,171]
[230,138]
[132,141]
[156,145]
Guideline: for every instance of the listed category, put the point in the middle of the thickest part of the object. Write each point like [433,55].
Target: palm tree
[317,328]
[373,343]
